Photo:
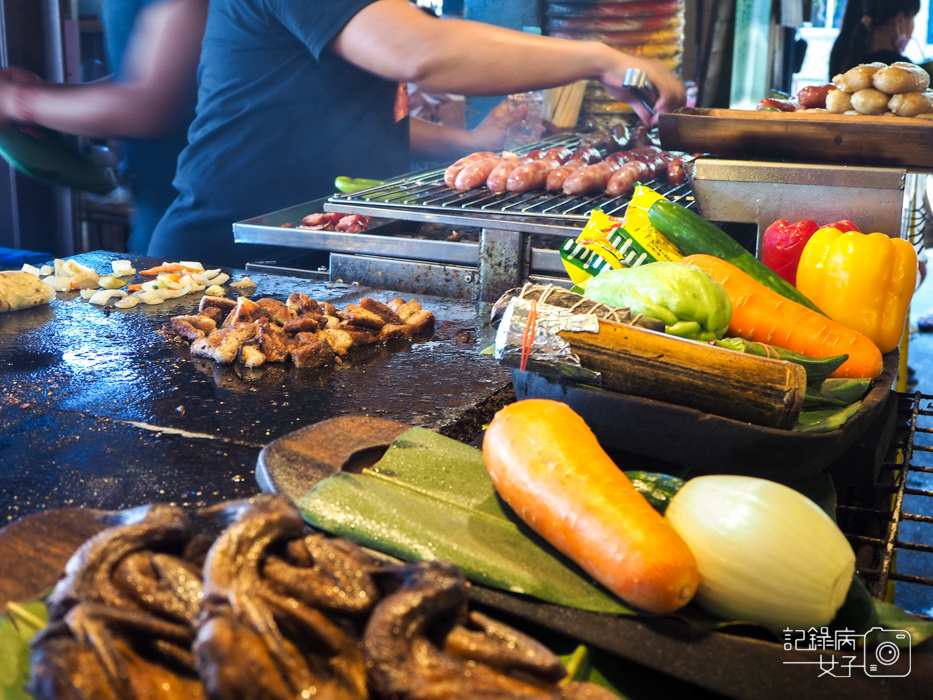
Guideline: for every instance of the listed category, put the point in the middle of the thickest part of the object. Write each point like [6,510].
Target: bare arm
[161,67]
[397,41]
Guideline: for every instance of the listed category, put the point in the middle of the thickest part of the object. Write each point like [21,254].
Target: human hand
[12,80]
[491,133]
[671,93]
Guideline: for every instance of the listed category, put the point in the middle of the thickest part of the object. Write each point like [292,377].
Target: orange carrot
[762,315]
[169,267]
[547,465]
[133,287]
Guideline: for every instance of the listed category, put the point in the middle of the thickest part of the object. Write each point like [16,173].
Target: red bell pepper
[782,245]
[843,225]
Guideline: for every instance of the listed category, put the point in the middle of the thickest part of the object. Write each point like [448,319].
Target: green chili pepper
[348,185]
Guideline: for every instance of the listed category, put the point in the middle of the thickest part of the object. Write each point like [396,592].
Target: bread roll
[838,101]
[870,101]
[901,77]
[858,78]
[910,104]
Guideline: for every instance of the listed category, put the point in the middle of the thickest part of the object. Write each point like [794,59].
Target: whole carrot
[762,315]
[547,465]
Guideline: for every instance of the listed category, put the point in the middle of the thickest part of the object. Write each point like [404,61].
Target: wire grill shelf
[890,525]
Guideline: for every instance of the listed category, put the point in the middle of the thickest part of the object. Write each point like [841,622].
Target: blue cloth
[278,118]
[11,258]
[149,164]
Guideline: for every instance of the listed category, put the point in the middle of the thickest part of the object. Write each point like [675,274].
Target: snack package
[608,243]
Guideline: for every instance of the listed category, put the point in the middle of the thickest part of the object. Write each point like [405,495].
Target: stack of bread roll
[901,89]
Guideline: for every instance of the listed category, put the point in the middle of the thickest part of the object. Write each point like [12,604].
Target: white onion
[765,552]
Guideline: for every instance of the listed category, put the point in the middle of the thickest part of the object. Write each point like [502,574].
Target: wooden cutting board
[34,550]
[818,137]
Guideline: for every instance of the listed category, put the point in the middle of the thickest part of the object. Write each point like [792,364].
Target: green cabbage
[689,302]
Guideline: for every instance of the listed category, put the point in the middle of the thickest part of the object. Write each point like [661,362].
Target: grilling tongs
[636,81]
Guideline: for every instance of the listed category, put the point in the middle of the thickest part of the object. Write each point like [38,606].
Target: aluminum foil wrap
[550,355]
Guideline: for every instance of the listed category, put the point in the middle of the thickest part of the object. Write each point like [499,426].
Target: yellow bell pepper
[863,281]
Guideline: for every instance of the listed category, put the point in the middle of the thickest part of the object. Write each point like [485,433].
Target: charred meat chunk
[312,353]
[383,311]
[192,327]
[223,345]
[275,310]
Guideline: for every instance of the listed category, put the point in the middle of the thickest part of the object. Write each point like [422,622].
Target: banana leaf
[18,625]
[430,497]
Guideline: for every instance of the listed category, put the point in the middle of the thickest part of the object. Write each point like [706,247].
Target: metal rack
[519,235]
[890,524]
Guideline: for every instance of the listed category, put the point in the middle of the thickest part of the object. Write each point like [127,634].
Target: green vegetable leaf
[822,421]
[18,625]
[430,497]
[689,302]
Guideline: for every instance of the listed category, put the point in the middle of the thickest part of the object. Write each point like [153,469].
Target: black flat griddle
[99,408]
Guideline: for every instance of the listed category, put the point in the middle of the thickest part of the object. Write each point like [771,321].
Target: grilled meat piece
[303,304]
[275,310]
[358,316]
[245,311]
[304,323]
[392,331]
[223,304]
[383,311]
[223,345]
[312,353]
[272,341]
[444,652]
[339,340]
[251,355]
[192,327]
[420,321]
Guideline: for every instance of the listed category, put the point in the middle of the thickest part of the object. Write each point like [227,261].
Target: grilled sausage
[676,172]
[450,175]
[499,176]
[475,173]
[557,177]
[559,153]
[588,154]
[590,178]
[531,176]
[623,180]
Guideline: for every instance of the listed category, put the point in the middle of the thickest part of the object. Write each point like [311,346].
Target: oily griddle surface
[99,408]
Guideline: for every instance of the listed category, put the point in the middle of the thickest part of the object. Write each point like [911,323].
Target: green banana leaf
[18,625]
[430,497]
[824,420]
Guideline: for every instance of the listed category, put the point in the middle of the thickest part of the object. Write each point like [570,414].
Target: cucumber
[817,368]
[657,488]
[50,157]
[693,234]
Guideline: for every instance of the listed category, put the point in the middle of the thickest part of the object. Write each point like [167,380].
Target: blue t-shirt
[278,118]
[149,163]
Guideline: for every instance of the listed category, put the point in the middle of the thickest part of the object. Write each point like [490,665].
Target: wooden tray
[800,136]
[696,443]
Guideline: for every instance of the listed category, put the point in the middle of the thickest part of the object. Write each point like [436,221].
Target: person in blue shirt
[153,46]
[293,94]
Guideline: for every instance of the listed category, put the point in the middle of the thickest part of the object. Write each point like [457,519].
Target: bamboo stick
[657,366]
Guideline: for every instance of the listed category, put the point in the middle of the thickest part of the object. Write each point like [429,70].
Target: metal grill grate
[425,193]
[890,525]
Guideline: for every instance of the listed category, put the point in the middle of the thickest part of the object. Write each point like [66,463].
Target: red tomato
[782,245]
[783,105]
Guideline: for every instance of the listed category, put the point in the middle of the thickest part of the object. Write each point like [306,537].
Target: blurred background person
[873,30]
[153,47]
[293,94]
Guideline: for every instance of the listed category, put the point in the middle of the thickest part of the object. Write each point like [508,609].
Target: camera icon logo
[881,658]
